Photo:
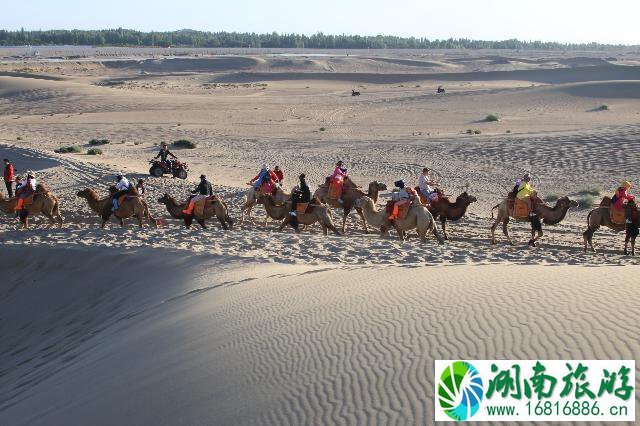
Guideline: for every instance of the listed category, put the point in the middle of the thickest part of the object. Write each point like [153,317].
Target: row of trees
[191,38]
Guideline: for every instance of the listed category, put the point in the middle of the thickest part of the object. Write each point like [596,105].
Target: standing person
[203,190]
[122,187]
[140,187]
[301,194]
[279,174]
[9,176]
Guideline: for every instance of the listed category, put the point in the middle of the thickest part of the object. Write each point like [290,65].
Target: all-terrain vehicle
[173,167]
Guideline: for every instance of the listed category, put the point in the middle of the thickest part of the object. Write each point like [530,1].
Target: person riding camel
[426,184]
[300,194]
[265,178]
[279,174]
[164,154]
[400,197]
[203,190]
[27,189]
[122,187]
[337,178]
[527,194]
[621,197]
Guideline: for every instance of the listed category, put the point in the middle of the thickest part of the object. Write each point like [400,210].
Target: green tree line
[205,39]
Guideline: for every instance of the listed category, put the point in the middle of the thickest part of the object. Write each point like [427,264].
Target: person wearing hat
[400,196]
[203,190]
[620,198]
[300,194]
[122,187]
[9,176]
[27,189]
[164,153]
[526,193]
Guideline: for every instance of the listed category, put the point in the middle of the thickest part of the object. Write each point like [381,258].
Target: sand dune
[151,337]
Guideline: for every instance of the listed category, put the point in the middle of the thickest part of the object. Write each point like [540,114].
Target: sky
[608,21]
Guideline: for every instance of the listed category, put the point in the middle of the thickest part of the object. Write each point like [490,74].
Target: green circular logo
[460,390]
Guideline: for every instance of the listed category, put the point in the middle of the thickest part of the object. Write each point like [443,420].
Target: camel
[417,217]
[446,210]
[218,209]
[548,215]
[131,206]
[350,193]
[44,203]
[319,213]
[252,199]
[600,217]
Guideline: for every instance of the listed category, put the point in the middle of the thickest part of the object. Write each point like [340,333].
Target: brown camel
[318,212]
[418,217]
[132,205]
[549,215]
[217,208]
[446,210]
[350,193]
[252,199]
[600,217]
[44,203]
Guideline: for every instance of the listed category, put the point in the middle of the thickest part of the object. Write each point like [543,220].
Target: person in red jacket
[621,197]
[9,176]
[279,173]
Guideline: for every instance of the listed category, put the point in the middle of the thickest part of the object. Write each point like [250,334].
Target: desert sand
[255,326]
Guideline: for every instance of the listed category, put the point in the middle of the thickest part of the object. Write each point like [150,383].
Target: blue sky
[611,21]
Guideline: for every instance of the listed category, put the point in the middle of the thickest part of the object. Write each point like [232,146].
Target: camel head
[87,194]
[566,203]
[466,199]
[165,199]
[377,186]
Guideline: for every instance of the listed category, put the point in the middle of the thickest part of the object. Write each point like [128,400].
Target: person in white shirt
[25,190]
[122,187]
[426,184]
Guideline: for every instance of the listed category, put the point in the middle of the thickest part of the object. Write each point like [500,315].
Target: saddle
[518,209]
[200,205]
[335,190]
[403,209]
[616,215]
[29,200]
[303,208]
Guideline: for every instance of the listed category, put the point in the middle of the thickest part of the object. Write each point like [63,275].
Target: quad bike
[173,167]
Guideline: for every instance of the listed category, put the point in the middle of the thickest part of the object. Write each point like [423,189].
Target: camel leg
[229,222]
[364,222]
[223,223]
[139,217]
[202,223]
[493,231]
[345,215]
[49,216]
[188,220]
[121,221]
[505,229]
[332,227]
[587,236]
[443,221]
[284,223]
[434,231]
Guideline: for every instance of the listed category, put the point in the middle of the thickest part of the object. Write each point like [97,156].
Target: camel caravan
[408,209]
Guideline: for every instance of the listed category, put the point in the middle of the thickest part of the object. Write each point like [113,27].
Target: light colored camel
[445,210]
[217,208]
[252,198]
[548,215]
[44,203]
[131,206]
[600,217]
[418,217]
[319,213]
[350,193]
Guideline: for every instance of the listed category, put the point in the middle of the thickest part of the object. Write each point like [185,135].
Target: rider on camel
[122,187]
[427,185]
[266,177]
[203,190]
[620,198]
[338,176]
[400,197]
[300,194]
[526,193]
[26,190]
[279,174]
